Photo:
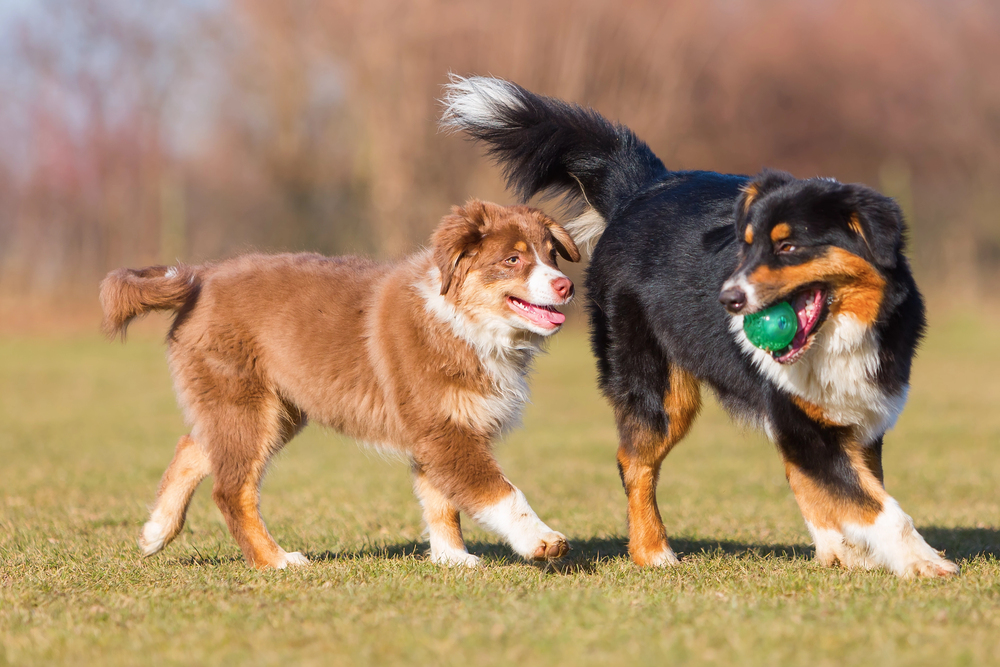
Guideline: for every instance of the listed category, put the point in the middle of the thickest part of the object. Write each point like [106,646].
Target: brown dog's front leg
[465,474]
[444,526]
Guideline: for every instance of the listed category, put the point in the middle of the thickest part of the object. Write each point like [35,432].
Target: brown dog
[427,356]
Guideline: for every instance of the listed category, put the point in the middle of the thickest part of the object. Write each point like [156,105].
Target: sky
[81,51]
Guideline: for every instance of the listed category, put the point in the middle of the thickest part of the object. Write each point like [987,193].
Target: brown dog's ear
[564,242]
[456,235]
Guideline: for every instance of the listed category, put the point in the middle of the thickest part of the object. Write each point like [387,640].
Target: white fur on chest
[504,352]
[837,374]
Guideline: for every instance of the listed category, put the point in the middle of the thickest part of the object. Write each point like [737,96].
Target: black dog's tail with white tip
[546,145]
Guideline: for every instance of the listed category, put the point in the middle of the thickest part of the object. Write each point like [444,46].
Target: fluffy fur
[681,258]
[427,357]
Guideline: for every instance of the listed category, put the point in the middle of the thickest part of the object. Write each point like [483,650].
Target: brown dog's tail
[128,293]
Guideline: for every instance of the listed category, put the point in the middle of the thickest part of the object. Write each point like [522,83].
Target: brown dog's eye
[786,247]
[512,261]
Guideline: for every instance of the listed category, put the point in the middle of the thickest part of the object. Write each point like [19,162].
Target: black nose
[734,299]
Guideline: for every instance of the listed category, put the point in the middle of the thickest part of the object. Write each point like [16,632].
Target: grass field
[87,427]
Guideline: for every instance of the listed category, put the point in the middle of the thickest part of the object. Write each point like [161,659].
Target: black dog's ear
[754,190]
[456,237]
[878,220]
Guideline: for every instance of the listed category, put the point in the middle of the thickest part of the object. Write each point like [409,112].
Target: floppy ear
[878,220]
[456,235]
[754,190]
[565,245]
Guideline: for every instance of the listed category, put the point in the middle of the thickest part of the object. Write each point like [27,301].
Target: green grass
[87,427]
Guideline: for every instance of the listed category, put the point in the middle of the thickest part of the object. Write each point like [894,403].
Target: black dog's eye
[785,247]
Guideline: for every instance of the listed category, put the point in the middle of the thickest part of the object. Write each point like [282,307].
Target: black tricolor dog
[672,246]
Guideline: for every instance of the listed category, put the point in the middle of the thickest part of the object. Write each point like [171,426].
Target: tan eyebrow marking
[780,232]
[521,246]
[855,226]
[748,234]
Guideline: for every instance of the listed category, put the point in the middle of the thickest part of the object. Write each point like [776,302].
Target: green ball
[773,328]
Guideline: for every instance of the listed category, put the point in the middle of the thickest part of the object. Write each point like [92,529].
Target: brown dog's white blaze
[424,356]
[520,261]
[547,287]
[640,454]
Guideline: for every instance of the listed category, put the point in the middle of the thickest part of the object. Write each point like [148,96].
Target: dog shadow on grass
[587,554]
[964,543]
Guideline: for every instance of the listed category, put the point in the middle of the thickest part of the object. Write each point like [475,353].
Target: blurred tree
[198,129]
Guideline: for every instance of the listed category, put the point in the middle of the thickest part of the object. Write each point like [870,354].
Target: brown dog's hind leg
[640,453]
[241,440]
[189,466]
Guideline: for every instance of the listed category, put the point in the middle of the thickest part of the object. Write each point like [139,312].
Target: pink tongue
[801,303]
[543,315]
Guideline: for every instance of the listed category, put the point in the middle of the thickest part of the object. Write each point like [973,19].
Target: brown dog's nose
[563,287]
[734,299]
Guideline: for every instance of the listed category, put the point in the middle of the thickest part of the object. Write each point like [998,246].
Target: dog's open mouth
[545,317]
[809,304]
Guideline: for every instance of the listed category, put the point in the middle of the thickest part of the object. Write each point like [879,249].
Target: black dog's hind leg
[641,451]
[654,403]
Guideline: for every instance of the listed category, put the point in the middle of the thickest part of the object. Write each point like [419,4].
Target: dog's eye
[785,247]
[512,260]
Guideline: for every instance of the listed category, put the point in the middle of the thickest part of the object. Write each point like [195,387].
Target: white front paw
[893,542]
[293,559]
[550,546]
[514,520]
[454,558]
[931,567]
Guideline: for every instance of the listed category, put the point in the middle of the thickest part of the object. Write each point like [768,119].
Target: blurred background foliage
[137,133]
